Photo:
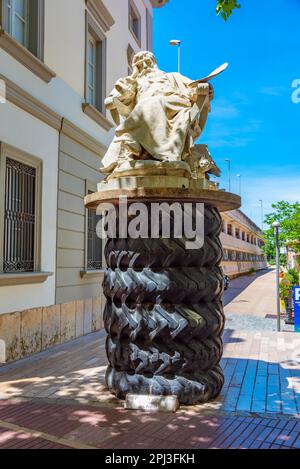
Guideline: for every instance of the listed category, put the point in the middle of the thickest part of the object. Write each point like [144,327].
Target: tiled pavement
[89,427]
[67,405]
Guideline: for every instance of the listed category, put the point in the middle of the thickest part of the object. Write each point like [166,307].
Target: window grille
[19,217]
[94,248]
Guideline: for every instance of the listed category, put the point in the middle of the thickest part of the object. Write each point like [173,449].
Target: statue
[162,114]
[164,316]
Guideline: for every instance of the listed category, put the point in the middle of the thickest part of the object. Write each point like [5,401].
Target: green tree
[289,217]
[226,7]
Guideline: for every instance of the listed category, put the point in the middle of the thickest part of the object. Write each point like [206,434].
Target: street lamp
[276,226]
[262,214]
[229,174]
[240,184]
[177,43]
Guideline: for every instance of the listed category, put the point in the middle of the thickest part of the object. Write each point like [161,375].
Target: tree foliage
[226,7]
[289,217]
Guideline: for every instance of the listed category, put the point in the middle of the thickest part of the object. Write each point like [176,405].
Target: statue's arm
[122,96]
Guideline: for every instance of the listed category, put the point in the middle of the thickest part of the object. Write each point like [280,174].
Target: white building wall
[27,133]
[64,53]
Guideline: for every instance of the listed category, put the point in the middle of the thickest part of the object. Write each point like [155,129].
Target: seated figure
[159,115]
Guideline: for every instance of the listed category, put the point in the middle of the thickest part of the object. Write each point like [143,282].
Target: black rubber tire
[164,316]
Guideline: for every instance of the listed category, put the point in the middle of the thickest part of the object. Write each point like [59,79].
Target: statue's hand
[109,103]
[203,89]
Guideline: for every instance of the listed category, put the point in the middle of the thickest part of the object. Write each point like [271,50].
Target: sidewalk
[66,400]
[58,398]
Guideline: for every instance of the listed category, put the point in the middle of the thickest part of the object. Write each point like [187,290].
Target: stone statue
[159,116]
[164,315]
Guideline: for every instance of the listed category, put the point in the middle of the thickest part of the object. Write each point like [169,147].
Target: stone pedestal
[164,314]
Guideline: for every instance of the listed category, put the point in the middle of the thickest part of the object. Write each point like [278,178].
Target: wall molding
[97,116]
[23,100]
[80,136]
[100,13]
[25,57]
[24,278]
[16,95]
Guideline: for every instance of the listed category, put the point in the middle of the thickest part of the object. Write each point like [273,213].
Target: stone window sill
[25,57]
[24,278]
[97,116]
[91,273]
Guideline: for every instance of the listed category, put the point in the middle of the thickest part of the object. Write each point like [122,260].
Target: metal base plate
[151,403]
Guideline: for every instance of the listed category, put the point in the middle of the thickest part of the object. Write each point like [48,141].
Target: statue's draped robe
[159,120]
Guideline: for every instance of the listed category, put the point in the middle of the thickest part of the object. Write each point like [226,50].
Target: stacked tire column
[164,315]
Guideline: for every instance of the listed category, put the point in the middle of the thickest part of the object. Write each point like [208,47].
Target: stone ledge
[25,57]
[91,273]
[97,116]
[24,278]
[224,201]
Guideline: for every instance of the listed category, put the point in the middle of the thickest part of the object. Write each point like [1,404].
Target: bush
[285,287]
[293,277]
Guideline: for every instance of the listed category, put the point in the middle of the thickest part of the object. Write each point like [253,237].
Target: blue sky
[253,120]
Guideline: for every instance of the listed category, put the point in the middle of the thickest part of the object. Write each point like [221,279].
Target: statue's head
[143,61]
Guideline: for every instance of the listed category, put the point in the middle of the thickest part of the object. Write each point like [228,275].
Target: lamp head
[175,42]
[276,224]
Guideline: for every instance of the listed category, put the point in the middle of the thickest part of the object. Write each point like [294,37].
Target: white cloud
[272,90]
[270,189]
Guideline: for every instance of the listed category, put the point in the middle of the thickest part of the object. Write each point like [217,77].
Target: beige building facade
[242,242]
[58,60]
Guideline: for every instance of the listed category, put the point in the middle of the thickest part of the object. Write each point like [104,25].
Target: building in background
[58,60]
[242,241]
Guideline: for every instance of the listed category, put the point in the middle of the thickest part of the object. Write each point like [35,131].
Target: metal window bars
[19,217]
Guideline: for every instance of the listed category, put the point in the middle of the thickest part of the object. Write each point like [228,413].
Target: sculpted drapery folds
[159,115]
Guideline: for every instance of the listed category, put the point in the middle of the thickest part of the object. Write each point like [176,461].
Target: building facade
[58,60]
[242,242]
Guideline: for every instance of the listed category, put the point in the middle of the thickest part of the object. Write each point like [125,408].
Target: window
[149,31]
[17,20]
[24,21]
[134,22]
[130,54]
[229,229]
[237,233]
[20,212]
[243,236]
[95,72]
[94,246]
[91,70]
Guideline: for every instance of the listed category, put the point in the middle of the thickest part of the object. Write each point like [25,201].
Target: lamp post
[240,184]
[276,226]
[229,174]
[177,42]
[262,214]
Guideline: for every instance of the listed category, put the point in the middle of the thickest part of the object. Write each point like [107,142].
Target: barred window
[94,243]
[19,217]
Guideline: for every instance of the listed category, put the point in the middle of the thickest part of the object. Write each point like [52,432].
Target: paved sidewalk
[58,398]
[262,374]
[86,427]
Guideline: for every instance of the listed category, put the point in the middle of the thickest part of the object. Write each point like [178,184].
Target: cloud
[272,90]
[220,134]
[224,109]
[271,189]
